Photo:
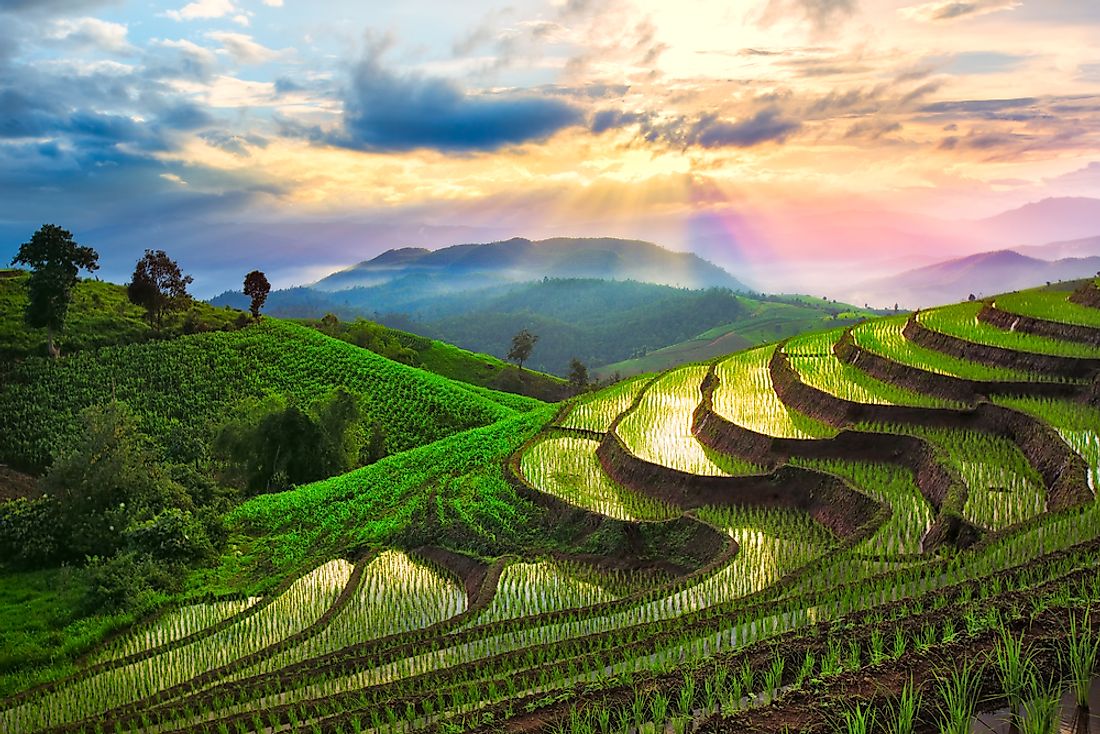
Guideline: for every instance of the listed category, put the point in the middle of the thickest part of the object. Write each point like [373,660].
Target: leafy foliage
[256,287]
[55,259]
[181,390]
[158,286]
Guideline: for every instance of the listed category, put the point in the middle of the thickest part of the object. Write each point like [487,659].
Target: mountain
[520,259]
[1087,247]
[981,274]
[1048,220]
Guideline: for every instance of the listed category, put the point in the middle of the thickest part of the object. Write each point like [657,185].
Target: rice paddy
[961,321]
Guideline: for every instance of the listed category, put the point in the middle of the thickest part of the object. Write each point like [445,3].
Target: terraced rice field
[838,577]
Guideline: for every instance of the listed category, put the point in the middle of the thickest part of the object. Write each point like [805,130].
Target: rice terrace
[891,526]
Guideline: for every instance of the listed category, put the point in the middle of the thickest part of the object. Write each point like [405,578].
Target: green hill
[100,315]
[183,388]
[483,370]
[762,321]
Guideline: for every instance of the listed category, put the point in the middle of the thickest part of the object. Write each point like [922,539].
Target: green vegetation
[567,467]
[884,338]
[182,389]
[745,396]
[596,412]
[99,315]
[961,320]
[1052,305]
[658,428]
[620,613]
[812,357]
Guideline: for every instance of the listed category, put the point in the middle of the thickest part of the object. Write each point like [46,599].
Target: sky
[780,138]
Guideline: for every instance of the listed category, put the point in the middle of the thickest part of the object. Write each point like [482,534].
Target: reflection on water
[1073,721]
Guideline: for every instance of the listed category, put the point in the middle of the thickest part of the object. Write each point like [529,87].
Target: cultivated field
[888,527]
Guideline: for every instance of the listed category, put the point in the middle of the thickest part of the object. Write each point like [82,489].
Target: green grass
[812,357]
[1078,424]
[961,321]
[658,428]
[100,315]
[181,389]
[744,396]
[596,412]
[884,337]
[1051,305]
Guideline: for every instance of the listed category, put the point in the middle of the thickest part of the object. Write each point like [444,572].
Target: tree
[158,286]
[256,287]
[522,344]
[54,259]
[578,375]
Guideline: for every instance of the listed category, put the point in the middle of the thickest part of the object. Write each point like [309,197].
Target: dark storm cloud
[384,111]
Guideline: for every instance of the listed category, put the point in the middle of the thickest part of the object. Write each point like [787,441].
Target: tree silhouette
[522,344]
[54,259]
[158,286]
[578,375]
[256,287]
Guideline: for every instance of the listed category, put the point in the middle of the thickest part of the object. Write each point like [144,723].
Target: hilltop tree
[256,287]
[522,344]
[158,286]
[54,259]
[578,375]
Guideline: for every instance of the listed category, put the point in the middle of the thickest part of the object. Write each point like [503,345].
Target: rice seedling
[596,412]
[527,589]
[856,719]
[903,710]
[884,337]
[658,428]
[1079,657]
[567,467]
[1050,305]
[812,357]
[1040,709]
[744,396]
[961,321]
[1015,668]
[958,699]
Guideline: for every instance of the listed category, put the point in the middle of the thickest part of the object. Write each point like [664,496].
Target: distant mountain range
[984,274]
[461,267]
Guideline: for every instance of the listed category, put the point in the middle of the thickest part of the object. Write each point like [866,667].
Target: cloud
[243,48]
[273,3]
[91,32]
[708,130]
[235,144]
[384,111]
[821,14]
[51,7]
[192,61]
[954,9]
[203,10]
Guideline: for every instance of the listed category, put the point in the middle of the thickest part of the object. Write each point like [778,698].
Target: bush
[172,536]
[28,531]
[128,581]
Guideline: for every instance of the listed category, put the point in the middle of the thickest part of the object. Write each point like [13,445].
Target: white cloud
[273,3]
[101,34]
[953,9]
[203,9]
[243,48]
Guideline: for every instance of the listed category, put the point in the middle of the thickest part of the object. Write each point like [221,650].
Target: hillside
[597,321]
[447,360]
[905,494]
[763,321]
[100,315]
[519,259]
[183,388]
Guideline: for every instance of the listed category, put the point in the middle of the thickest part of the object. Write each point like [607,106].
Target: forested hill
[596,321]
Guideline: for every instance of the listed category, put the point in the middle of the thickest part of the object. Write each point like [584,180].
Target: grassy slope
[100,315]
[763,322]
[182,388]
[475,368]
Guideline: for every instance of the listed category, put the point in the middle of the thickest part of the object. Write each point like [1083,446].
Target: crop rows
[574,646]
[962,321]
[1049,305]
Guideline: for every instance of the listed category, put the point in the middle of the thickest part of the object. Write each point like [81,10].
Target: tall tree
[578,375]
[256,287]
[522,344]
[158,286]
[54,259]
